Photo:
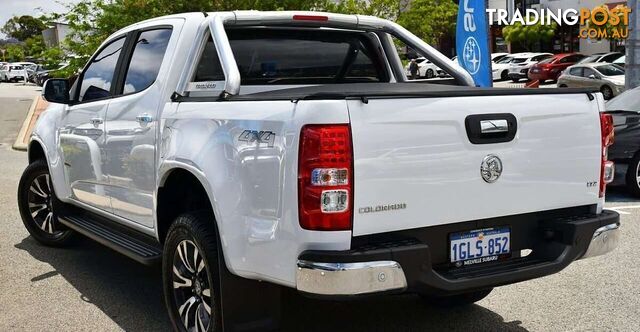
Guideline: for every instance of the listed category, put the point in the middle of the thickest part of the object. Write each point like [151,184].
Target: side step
[137,246]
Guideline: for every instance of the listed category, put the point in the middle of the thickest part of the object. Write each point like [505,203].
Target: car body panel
[597,81]
[415,153]
[552,68]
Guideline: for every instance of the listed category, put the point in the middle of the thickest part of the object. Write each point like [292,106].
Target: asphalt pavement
[89,288]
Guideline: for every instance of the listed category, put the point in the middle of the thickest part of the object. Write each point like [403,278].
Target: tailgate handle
[491,128]
[494,126]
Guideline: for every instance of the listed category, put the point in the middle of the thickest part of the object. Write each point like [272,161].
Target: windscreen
[286,56]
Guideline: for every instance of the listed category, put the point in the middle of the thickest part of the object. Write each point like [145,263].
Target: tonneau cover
[359,90]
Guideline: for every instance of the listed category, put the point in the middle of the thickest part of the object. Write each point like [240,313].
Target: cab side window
[99,75]
[147,57]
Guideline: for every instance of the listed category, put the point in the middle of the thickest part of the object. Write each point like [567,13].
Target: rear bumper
[542,75]
[407,264]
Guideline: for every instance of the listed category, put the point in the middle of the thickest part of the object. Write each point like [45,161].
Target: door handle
[494,126]
[144,118]
[96,121]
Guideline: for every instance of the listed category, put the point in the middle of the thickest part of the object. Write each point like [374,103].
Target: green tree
[430,19]
[389,9]
[34,46]
[23,27]
[527,35]
[14,52]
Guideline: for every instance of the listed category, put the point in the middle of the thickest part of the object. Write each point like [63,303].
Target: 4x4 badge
[268,137]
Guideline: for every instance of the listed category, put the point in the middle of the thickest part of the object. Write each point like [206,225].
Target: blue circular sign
[471,58]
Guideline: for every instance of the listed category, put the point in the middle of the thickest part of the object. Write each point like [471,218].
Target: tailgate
[415,166]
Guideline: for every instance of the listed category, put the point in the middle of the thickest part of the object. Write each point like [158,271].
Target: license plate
[479,246]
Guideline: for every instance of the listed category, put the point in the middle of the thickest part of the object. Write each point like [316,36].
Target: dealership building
[566,37]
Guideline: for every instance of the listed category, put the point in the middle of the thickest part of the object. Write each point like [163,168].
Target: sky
[9,8]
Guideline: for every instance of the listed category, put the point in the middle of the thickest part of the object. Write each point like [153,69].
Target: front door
[132,125]
[82,133]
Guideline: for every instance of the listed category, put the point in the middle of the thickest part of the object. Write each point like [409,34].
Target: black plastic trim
[135,245]
[556,241]
[472,124]
[355,91]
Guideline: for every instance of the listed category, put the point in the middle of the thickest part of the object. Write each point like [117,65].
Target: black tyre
[457,300]
[430,73]
[190,274]
[607,93]
[632,178]
[39,205]
[504,75]
[562,86]
[515,80]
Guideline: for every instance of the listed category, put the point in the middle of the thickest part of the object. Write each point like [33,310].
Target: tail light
[325,177]
[607,169]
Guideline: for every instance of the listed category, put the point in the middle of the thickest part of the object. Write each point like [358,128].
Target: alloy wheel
[638,175]
[607,93]
[40,200]
[191,287]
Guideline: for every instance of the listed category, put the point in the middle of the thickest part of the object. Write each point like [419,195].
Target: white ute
[249,151]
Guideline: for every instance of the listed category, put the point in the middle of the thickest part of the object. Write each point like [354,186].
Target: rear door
[131,124]
[416,165]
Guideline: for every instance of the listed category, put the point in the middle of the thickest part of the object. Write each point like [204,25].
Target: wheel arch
[182,188]
[36,151]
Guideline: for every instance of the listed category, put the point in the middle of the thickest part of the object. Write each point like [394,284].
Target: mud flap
[248,305]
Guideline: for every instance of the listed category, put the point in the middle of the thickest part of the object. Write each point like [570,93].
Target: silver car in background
[607,78]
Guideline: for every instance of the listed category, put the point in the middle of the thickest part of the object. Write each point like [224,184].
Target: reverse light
[325,177]
[607,169]
[334,201]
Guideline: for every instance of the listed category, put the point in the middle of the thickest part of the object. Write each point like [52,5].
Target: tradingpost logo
[600,22]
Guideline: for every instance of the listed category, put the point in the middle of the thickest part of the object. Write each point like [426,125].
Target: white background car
[426,68]
[12,72]
[500,68]
[519,66]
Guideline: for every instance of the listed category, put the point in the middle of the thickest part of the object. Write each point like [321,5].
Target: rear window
[284,56]
[519,60]
[576,71]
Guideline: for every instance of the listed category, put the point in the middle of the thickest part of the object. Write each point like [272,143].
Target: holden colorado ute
[250,152]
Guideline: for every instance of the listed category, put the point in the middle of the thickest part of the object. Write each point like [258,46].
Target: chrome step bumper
[604,240]
[349,278]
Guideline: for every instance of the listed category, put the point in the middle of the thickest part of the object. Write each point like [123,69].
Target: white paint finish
[81,142]
[130,144]
[253,186]
[410,151]
[416,151]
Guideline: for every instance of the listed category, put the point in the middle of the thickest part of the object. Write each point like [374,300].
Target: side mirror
[593,77]
[56,90]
